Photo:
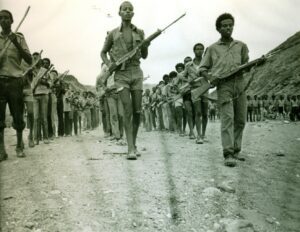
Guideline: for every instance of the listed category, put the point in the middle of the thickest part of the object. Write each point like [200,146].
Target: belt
[8,78]
[223,80]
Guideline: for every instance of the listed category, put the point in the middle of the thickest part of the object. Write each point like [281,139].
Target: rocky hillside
[71,80]
[281,73]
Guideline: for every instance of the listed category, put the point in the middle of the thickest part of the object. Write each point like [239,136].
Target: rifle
[167,100]
[39,77]
[7,43]
[34,64]
[130,54]
[197,92]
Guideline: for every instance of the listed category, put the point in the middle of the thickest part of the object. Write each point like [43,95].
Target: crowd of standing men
[279,107]
[31,86]
[55,107]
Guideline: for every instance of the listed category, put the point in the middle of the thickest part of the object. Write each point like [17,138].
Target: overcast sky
[72,32]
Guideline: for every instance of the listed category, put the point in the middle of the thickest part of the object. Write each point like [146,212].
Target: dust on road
[84,183]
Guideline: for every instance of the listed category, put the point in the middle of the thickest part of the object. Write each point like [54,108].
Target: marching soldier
[130,76]
[219,58]
[10,80]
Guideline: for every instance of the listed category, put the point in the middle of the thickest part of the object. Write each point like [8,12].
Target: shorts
[187,97]
[280,109]
[130,78]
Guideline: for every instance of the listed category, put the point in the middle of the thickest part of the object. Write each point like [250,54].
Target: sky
[72,32]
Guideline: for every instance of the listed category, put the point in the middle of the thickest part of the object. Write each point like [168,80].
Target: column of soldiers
[55,107]
[32,87]
[282,107]
[162,108]
[171,105]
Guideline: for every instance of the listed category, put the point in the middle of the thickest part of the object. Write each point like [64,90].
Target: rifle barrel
[26,13]
[173,22]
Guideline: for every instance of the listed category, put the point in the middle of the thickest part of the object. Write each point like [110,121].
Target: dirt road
[84,183]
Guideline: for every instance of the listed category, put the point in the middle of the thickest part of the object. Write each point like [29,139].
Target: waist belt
[9,78]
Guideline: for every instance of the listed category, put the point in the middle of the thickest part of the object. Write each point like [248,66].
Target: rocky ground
[84,183]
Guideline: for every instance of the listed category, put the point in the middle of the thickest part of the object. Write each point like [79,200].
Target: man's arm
[206,64]
[245,54]
[144,48]
[106,48]
[183,75]
[22,47]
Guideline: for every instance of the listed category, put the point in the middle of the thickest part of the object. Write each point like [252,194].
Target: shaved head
[125,3]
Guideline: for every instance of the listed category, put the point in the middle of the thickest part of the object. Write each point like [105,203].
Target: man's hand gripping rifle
[214,81]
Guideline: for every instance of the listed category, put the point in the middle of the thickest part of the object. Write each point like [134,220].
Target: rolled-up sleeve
[24,44]
[206,62]
[108,43]
[245,54]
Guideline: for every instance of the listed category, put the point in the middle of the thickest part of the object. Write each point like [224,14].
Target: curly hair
[197,44]
[177,66]
[221,18]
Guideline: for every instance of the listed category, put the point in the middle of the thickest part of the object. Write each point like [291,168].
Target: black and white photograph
[149,116]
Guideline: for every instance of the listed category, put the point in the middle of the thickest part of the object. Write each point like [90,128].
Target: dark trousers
[106,119]
[50,129]
[249,114]
[153,118]
[60,115]
[75,121]
[11,92]
[68,123]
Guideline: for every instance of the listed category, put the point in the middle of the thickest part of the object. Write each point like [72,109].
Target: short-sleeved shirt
[294,103]
[146,102]
[190,73]
[219,58]
[281,103]
[11,63]
[40,89]
[67,104]
[117,47]
[255,103]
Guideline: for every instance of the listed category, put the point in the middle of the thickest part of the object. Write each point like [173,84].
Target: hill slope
[281,73]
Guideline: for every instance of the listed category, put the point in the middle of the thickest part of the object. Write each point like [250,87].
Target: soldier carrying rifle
[221,57]
[126,45]
[13,49]
[130,76]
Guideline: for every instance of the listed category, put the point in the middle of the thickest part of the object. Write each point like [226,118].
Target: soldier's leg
[136,96]
[198,120]
[44,116]
[227,117]
[3,101]
[189,116]
[29,107]
[204,112]
[16,106]
[113,111]
[128,124]
[240,112]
